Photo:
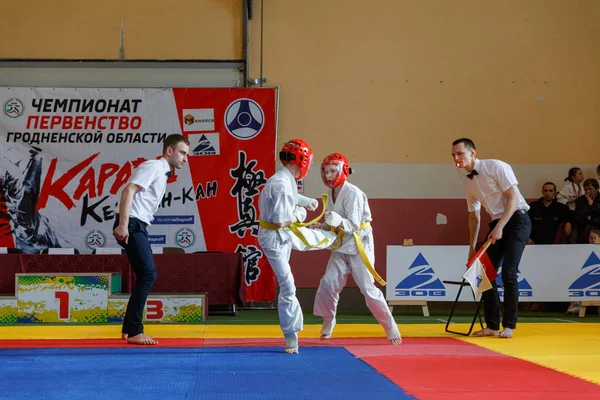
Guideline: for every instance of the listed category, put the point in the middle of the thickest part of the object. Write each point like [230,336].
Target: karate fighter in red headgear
[348,210]
[281,206]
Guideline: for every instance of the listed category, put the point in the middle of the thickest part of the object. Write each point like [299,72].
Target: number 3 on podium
[154,310]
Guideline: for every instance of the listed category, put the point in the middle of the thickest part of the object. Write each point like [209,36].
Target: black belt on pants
[522,212]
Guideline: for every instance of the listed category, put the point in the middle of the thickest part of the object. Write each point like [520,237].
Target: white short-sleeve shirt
[570,191]
[152,177]
[487,188]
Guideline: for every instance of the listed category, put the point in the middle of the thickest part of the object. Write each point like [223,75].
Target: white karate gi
[570,191]
[276,204]
[353,206]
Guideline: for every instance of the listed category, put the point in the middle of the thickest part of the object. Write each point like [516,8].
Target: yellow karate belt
[361,249]
[294,227]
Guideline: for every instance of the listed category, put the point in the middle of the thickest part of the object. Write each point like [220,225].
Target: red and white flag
[477,278]
[481,272]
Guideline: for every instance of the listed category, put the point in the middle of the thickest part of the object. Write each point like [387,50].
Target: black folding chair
[477,308]
[461,285]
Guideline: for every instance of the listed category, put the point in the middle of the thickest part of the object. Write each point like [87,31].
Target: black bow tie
[472,174]
[168,174]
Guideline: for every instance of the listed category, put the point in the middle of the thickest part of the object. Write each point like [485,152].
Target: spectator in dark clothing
[547,216]
[587,210]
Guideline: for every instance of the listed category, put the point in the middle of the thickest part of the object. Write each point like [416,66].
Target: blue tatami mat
[190,373]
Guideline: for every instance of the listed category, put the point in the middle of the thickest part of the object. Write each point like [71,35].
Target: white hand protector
[300,213]
[314,203]
[333,219]
[304,201]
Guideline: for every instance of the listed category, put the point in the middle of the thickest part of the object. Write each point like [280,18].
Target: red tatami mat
[420,346]
[483,376]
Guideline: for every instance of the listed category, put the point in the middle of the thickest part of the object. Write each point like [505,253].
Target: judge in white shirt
[139,201]
[493,185]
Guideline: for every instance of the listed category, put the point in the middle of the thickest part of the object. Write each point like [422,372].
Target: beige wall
[153,29]
[385,81]
[396,81]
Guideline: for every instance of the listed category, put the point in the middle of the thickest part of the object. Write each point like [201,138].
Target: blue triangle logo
[423,276]
[591,279]
[592,260]
[419,261]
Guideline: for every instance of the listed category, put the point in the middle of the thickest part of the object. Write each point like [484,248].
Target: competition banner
[66,155]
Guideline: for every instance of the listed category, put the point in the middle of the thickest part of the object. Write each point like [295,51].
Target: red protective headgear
[343,170]
[297,152]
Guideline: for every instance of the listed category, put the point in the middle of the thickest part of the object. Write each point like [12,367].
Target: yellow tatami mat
[573,348]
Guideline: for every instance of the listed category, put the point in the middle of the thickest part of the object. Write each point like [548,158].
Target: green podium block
[8,310]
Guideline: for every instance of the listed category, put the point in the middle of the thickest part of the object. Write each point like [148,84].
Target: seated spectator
[547,215]
[594,238]
[587,210]
[572,189]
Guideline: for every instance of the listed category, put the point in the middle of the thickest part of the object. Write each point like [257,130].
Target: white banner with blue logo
[546,273]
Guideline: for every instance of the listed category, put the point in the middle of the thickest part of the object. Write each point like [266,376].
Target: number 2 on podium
[63,304]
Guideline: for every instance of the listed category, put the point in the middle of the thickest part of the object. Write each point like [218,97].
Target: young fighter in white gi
[281,206]
[348,210]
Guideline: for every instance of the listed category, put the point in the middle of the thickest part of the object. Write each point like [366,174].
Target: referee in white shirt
[139,201]
[492,183]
